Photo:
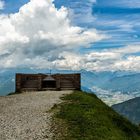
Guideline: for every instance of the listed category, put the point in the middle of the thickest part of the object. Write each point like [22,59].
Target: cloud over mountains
[43,36]
[38,34]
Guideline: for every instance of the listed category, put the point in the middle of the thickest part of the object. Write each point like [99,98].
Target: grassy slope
[88,118]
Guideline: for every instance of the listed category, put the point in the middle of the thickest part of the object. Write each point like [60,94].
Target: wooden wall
[33,82]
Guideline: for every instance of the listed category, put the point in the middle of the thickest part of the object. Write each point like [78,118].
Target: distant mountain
[113,81]
[129,109]
[125,83]
[111,87]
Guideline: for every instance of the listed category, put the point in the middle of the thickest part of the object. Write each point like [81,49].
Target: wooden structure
[42,82]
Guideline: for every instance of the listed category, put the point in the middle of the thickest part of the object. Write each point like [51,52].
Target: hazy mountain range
[112,87]
[130,109]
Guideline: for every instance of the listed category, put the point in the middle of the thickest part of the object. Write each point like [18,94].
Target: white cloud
[38,34]
[2,4]
[84,14]
[41,36]
[108,59]
[127,50]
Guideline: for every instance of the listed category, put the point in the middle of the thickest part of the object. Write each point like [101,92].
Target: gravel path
[26,116]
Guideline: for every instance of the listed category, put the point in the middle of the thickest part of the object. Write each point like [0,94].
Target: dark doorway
[49,84]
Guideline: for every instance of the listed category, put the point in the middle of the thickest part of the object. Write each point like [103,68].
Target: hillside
[63,115]
[84,117]
[130,109]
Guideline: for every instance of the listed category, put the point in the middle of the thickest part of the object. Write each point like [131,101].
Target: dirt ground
[26,116]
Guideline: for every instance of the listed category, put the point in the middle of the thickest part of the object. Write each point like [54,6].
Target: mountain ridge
[129,109]
[83,116]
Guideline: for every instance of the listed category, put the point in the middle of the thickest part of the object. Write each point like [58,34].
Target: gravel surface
[26,116]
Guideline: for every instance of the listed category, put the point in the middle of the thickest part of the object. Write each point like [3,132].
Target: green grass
[88,118]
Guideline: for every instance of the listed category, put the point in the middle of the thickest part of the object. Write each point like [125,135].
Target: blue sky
[118,20]
[12,6]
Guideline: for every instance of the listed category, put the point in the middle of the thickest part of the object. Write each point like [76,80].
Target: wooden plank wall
[29,82]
